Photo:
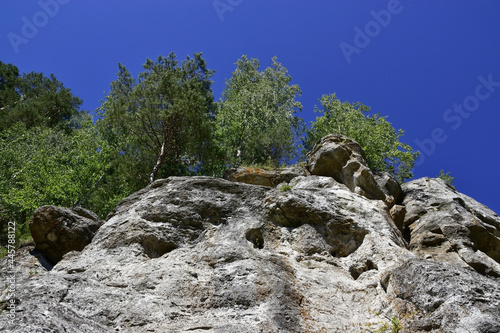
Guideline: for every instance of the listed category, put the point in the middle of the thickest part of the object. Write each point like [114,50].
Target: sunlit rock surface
[201,254]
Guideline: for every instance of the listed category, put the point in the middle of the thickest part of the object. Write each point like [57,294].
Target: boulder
[57,231]
[344,160]
[264,177]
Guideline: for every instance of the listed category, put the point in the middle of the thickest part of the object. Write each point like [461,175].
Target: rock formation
[339,249]
[343,159]
[260,176]
[57,231]
[444,225]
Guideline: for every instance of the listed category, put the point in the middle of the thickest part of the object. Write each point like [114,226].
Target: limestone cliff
[338,249]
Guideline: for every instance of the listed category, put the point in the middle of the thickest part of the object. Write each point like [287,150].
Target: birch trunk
[159,162]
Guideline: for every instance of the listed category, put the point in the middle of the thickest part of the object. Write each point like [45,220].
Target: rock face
[448,226]
[200,254]
[57,231]
[259,176]
[343,159]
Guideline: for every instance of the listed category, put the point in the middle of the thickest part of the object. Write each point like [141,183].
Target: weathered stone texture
[57,231]
[344,160]
[445,225]
[263,177]
[200,254]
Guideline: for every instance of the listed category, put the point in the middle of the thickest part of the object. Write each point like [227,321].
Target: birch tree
[256,121]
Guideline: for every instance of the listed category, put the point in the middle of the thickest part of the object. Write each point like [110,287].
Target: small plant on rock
[394,326]
[446,177]
[284,188]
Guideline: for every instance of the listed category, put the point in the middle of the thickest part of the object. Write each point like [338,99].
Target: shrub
[446,177]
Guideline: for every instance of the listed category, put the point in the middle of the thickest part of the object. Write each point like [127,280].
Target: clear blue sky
[431,67]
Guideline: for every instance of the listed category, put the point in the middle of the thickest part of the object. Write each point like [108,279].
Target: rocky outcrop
[444,225]
[57,231]
[334,213]
[264,177]
[390,186]
[440,297]
[343,159]
[201,254]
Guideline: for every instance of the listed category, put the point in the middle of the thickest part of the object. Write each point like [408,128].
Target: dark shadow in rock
[485,241]
[343,235]
[155,248]
[482,268]
[46,263]
[360,268]
[407,234]
[155,239]
[255,237]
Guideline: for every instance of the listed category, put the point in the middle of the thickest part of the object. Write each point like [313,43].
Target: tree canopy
[380,141]
[256,122]
[47,166]
[34,99]
[161,123]
[163,118]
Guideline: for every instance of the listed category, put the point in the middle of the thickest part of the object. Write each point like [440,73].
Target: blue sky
[431,67]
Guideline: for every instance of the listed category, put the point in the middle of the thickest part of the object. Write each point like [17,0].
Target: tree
[380,141]
[163,118]
[34,99]
[9,81]
[48,166]
[256,122]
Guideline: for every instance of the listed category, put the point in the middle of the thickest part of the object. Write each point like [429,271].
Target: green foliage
[9,78]
[285,188]
[161,123]
[256,122]
[446,177]
[46,166]
[394,326]
[380,141]
[33,99]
